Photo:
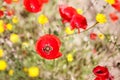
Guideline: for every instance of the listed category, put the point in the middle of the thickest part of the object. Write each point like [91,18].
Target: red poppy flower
[93,36]
[101,71]
[66,13]
[117,5]
[48,46]
[8,1]
[113,17]
[1,13]
[78,21]
[33,5]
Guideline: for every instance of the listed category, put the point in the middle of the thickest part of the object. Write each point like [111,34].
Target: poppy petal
[78,21]
[8,1]
[67,12]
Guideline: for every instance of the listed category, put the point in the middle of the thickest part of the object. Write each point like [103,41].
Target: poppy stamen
[47,48]
[99,72]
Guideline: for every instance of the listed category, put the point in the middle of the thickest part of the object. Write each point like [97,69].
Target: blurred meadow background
[20,29]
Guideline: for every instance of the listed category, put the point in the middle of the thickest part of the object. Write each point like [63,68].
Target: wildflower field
[59,39]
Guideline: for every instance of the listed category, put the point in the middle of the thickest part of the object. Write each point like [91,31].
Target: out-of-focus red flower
[10,12]
[45,1]
[93,36]
[69,14]
[78,21]
[48,47]
[102,73]
[94,50]
[8,1]
[66,12]
[33,5]
[113,17]
[1,13]
[116,5]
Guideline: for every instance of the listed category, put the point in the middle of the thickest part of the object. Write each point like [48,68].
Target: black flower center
[47,48]
[99,72]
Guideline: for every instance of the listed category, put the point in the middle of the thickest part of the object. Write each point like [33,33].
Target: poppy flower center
[99,72]
[32,6]
[47,48]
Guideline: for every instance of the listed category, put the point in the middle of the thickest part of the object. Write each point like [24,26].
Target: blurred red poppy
[8,1]
[66,12]
[117,5]
[78,21]
[10,12]
[1,13]
[113,17]
[48,47]
[93,36]
[102,73]
[33,5]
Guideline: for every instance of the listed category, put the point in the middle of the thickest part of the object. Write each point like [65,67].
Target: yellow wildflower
[3,65]
[101,36]
[14,38]
[9,26]
[1,26]
[11,72]
[25,45]
[101,18]
[33,71]
[110,1]
[1,23]
[79,11]
[1,53]
[69,57]
[68,30]
[15,19]
[42,19]
[1,29]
